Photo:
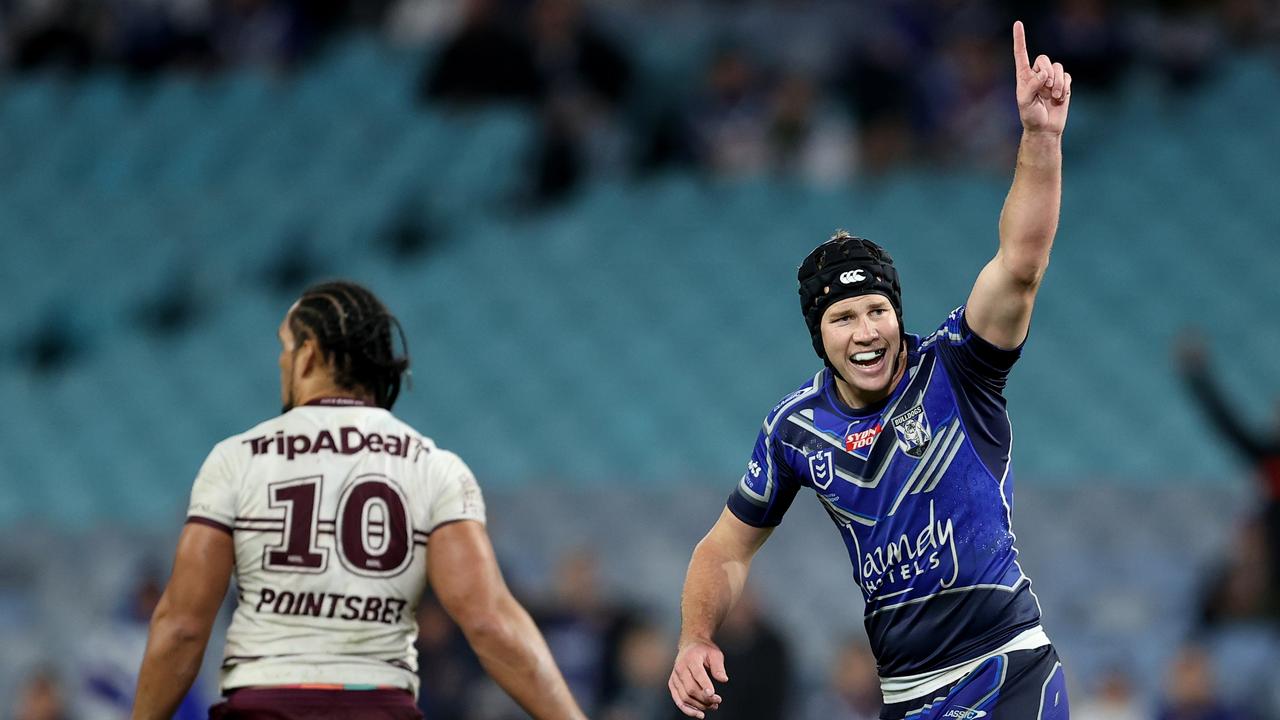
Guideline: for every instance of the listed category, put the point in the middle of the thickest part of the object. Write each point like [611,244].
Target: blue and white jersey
[920,489]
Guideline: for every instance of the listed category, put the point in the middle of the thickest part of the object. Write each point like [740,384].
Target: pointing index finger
[1021,60]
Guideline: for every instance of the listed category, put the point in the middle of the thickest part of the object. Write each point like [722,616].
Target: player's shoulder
[804,396]
[242,443]
[953,329]
[245,443]
[422,448]
[389,423]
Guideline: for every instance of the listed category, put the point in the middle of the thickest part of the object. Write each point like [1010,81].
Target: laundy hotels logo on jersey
[913,431]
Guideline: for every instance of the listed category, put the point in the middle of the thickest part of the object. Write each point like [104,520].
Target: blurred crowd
[822,90]
[149,36]
[616,657]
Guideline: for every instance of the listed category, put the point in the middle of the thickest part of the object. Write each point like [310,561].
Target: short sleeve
[213,500]
[767,488]
[455,494]
[975,359]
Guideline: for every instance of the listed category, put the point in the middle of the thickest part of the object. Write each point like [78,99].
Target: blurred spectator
[643,666]
[150,37]
[878,83]
[1257,445]
[1112,699]
[1241,588]
[575,59]
[447,667]
[553,58]
[259,32]
[586,78]
[582,629]
[411,22]
[970,101]
[853,688]
[806,140]
[489,59]
[112,654]
[1088,37]
[730,119]
[758,662]
[1184,39]
[40,698]
[1252,22]
[1191,692]
[65,34]
[144,36]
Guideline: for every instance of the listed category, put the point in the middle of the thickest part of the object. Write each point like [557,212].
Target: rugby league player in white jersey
[333,517]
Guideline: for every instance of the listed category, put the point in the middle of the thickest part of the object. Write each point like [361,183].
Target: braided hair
[354,332]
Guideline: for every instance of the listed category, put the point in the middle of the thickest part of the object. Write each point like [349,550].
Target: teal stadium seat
[618,351]
[138,178]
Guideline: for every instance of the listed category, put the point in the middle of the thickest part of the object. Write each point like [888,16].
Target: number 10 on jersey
[372,531]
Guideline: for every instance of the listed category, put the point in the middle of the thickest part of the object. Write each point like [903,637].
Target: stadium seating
[627,316]
[617,351]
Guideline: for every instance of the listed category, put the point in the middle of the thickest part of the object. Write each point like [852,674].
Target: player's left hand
[690,682]
[1044,88]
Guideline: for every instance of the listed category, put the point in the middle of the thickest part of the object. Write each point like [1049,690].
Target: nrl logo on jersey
[913,431]
[822,468]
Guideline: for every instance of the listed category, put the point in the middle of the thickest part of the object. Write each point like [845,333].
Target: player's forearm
[1029,218]
[172,661]
[711,588]
[514,653]
[1225,419]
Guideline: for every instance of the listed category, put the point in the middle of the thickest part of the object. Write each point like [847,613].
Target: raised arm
[1193,362]
[999,307]
[717,573]
[183,620]
[465,577]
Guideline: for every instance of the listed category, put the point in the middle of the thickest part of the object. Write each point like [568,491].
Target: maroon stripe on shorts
[289,703]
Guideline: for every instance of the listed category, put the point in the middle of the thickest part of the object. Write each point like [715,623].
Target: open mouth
[870,359]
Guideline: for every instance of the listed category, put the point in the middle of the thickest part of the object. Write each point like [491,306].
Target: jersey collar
[338,401]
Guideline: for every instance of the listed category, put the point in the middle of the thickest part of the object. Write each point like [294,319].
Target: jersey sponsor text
[346,441]
[385,610]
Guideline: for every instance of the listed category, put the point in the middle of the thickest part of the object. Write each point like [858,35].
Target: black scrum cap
[844,266]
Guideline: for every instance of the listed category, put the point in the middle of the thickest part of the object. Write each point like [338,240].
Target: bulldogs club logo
[913,431]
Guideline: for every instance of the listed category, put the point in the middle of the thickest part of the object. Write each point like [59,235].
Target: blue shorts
[1020,685]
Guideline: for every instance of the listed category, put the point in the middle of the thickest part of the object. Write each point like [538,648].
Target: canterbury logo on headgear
[852,276]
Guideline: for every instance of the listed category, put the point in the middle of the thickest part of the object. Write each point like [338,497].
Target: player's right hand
[1043,88]
[690,684]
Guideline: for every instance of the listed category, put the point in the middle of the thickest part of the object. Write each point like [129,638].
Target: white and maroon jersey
[330,506]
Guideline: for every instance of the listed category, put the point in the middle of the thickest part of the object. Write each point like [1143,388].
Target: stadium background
[588,220]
